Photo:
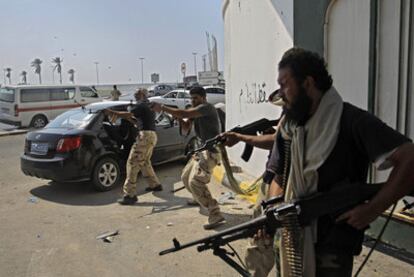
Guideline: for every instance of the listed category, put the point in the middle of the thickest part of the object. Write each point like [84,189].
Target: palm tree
[24,77]
[58,66]
[71,75]
[36,64]
[8,74]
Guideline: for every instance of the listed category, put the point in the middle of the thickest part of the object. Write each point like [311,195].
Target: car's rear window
[7,95]
[74,119]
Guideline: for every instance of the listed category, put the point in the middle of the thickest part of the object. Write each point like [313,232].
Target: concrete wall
[347,49]
[257,33]
[308,27]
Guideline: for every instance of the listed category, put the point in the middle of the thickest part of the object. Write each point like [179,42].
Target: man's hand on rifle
[360,216]
[265,237]
[230,138]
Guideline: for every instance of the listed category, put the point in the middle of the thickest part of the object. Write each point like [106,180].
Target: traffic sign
[183,66]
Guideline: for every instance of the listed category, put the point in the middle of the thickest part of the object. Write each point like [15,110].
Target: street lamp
[142,69]
[97,72]
[195,63]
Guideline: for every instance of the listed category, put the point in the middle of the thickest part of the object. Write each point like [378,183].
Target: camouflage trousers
[140,160]
[197,174]
[260,254]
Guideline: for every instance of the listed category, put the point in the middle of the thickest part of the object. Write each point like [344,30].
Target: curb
[219,175]
[12,133]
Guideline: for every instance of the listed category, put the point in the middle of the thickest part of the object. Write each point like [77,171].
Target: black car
[82,144]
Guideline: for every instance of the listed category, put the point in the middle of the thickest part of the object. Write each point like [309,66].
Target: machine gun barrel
[219,238]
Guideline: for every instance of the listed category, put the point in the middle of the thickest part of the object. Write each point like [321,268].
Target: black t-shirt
[362,139]
[145,116]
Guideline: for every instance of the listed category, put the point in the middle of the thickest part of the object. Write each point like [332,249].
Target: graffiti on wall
[252,94]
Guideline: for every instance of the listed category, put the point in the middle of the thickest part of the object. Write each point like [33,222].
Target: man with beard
[197,173]
[327,142]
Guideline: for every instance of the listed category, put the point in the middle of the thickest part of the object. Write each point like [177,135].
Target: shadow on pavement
[82,193]
[77,194]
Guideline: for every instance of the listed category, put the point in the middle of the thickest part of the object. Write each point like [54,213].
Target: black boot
[128,200]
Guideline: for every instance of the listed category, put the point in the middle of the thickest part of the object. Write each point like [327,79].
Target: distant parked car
[35,106]
[161,89]
[180,98]
[82,144]
[215,94]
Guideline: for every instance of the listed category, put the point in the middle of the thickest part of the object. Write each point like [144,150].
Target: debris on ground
[33,199]
[226,196]
[108,236]
[147,227]
[170,224]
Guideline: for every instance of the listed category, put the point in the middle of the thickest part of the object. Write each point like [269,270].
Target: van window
[6,94]
[88,92]
[57,94]
[34,95]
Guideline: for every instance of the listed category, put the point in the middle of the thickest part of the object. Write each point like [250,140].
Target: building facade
[367,44]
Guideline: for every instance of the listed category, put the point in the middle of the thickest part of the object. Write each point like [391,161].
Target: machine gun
[338,200]
[261,126]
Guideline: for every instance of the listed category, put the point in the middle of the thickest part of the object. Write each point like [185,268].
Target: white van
[35,106]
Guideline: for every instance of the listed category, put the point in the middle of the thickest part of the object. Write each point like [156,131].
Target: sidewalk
[7,130]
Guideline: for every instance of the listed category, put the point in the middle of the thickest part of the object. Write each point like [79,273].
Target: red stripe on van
[47,108]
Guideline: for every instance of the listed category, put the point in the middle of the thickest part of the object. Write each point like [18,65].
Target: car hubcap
[39,123]
[107,174]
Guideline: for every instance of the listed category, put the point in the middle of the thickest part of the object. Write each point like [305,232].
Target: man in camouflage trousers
[141,152]
[197,173]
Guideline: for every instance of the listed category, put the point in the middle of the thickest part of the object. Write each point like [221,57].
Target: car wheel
[38,121]
[106,174]
[188,106]
[192,145]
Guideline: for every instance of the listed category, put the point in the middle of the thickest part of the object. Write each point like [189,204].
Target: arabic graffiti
[253,94]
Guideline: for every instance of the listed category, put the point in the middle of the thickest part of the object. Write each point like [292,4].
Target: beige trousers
[197,174]
[260,255]
[140,160]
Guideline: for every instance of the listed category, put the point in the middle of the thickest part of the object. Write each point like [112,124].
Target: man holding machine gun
[322,141]
[197,173]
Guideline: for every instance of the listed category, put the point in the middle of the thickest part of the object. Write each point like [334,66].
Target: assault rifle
[259,126]
[333,203]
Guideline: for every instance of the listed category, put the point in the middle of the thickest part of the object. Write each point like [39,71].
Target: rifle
[253,128]
[338,200]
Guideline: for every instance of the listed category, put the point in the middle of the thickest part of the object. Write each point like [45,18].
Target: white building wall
[257,33]
[347,49]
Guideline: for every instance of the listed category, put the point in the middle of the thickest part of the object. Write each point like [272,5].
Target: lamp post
[195,63]
[97,72]
[142,69]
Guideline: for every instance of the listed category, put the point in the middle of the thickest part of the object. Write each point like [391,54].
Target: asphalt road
[50,229]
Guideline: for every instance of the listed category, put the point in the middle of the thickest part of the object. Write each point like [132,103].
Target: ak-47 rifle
[340,199]
[253,128]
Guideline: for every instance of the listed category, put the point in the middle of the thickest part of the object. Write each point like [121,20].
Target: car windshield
[74,119]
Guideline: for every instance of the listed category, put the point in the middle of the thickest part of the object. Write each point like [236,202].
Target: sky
[115,33]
